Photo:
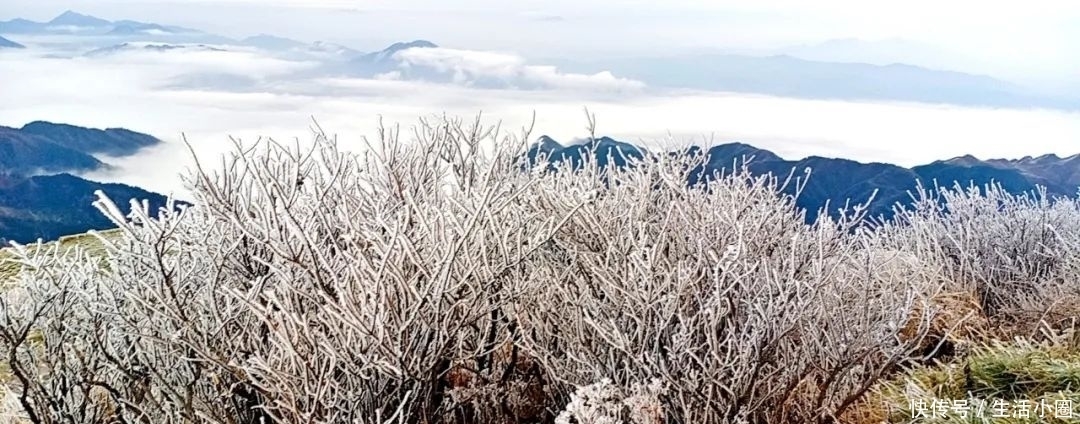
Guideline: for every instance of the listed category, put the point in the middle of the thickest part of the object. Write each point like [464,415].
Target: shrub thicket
[433,281]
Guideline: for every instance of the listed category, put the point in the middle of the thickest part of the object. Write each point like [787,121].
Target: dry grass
[957,324]
[10,410]
[9,269]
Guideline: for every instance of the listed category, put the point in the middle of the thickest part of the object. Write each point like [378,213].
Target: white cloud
[470,66]
[193,59]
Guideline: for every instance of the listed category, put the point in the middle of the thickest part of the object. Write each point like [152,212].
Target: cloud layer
[493,69]
[139,90]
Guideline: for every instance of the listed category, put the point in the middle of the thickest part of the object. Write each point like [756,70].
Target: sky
[166,94]
[1033,39]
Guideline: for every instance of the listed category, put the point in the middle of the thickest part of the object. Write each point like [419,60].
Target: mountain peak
[39,125]
[729,152]
[71,18]
[399,46]
[412,44]
[111,141]
[544,139]
[383,55]
[965,160]
[546,144]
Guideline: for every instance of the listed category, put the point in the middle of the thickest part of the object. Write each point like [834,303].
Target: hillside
[45,147]
[39,198]
[25,153]
[110,141]
[10,270]
[52,206]
[5,43]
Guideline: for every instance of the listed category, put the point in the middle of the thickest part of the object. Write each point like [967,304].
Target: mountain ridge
[40,198]
[42,147]
[5,43]
[382,61]
[790,76]
[109,141]
[69,21]
[71,18]
[48,207]
[24,153]
[836,181]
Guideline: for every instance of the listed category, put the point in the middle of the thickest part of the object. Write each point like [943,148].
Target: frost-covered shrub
[434,281]
[742,311]
[603,403]
[307,285]
[1012,250]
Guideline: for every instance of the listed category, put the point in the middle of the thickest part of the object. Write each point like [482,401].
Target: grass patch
[9,273]
[9,269]
[995,383]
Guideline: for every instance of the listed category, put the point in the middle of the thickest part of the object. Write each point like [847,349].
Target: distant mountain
[788,76]
[110,141]
[5,43]
[150,47]
[272,42]
[24,153]
[388,53]
[726,155]
[422,60]
[130,34]
[836,181]
[64,23]
[73,19]
[139,28]
[44,147]
[1011,179]
[52,206]
[383,61]
[72,22]
[20,26]
[330,49]
[1064,171]
[606,150]
[544,147]
[298,50]
[830,181]
[1059,175]
[35,204]
[877,52]
[124,26]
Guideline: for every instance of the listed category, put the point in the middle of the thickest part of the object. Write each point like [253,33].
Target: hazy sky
[1035,38]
